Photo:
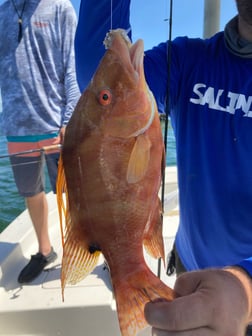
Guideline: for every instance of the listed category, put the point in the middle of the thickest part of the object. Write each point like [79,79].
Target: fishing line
[167,110]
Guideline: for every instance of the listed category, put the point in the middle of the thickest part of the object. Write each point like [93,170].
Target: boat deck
[89,307]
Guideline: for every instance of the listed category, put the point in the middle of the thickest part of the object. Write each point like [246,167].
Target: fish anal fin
[153,236]
[77,262]
[139,159]
[131,296]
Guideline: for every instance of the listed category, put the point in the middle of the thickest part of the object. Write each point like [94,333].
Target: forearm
[72,92]
[72,96]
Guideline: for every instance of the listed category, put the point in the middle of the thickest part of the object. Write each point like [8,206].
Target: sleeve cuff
[246,264]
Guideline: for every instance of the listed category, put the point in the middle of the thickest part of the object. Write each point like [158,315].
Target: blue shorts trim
[32,138]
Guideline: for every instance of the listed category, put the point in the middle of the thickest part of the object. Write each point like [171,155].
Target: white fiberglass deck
[89,307]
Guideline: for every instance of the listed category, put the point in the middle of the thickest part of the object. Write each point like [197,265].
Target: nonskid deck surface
[89,307]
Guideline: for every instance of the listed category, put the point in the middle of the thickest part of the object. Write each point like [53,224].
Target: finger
[187,283]
[194,332]
[183,313]
[57,140]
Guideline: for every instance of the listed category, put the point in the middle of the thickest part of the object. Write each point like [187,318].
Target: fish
[110,169]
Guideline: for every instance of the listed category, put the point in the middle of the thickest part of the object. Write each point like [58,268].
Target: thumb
[187,283]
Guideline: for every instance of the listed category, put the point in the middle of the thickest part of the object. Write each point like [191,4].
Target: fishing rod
[30,151]
[167,110]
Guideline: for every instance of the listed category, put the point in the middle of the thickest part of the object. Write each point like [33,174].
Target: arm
[72,92]
[94,23]
[211,302]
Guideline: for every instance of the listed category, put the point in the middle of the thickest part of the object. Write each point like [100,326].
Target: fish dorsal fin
[60,190]
[139,159]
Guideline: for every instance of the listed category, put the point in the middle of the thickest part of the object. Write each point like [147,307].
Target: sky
[149,18]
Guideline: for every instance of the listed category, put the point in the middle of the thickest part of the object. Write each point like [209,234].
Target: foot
[35,266]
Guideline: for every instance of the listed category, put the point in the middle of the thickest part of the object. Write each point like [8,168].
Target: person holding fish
[211,113]
[39,92]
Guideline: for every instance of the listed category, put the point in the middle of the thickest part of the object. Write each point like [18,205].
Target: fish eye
[105,97]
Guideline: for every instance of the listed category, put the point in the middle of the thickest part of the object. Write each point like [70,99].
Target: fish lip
[110,37]
[132,54]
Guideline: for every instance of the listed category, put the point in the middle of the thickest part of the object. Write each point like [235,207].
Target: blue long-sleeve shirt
[211,113]
[37,75]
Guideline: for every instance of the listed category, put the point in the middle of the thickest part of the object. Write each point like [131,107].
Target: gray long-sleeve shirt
[37,75]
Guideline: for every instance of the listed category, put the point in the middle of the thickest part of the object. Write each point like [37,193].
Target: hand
[62,134]
[60,137]
[209,303]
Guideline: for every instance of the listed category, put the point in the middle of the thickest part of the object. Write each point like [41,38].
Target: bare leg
[38,210]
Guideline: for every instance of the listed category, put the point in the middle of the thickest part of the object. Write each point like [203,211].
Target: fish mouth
[131,55]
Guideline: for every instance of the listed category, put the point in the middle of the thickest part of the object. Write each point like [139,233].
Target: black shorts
[29,173]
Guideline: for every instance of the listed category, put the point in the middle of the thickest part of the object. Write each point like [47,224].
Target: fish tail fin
[77,261]
[133,292]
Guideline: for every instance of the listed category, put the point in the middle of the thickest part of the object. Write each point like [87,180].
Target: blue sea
[11,204]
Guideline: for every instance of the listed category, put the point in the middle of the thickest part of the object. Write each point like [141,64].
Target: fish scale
[110,169]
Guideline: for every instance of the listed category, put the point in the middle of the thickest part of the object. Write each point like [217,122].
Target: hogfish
[111,168]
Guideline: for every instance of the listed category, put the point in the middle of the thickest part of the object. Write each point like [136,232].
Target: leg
[38,210]
[29,177]
[52,167]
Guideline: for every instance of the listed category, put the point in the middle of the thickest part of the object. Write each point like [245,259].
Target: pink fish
[111,168]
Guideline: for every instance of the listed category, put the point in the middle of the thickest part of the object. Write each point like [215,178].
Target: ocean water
[11,204]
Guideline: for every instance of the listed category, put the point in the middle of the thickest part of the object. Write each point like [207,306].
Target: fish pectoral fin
[77,262]
[139,159]
[132,294]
